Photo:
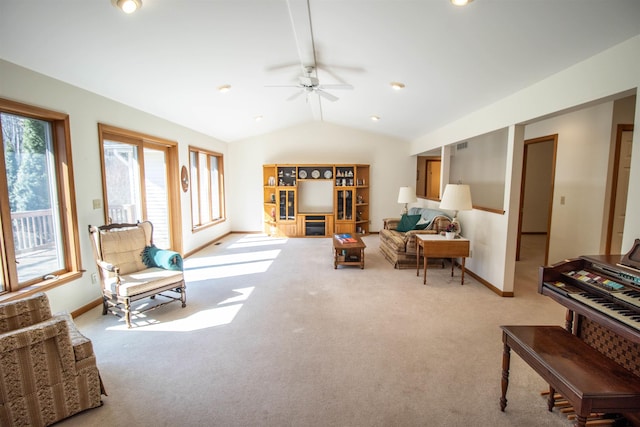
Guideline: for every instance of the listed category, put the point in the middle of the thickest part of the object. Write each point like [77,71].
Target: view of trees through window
[32,196]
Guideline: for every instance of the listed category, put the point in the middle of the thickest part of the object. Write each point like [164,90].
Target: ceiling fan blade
[277,67]
[327,95]
[342,86]
[296,86]
[295,95]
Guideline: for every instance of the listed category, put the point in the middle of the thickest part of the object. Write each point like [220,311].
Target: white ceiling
[170,56]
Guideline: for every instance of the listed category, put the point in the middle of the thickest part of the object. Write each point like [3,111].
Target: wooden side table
[437,246]
[356,247]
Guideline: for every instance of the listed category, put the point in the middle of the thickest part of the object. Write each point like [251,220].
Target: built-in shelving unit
[315,200]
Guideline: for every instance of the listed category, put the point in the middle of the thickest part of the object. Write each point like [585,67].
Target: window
[39,241]
[207,187]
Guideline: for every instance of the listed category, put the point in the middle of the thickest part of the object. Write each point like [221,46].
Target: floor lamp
[456,197]
[406,195]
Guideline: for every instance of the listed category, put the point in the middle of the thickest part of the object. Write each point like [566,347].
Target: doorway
[536,196]
[619,189]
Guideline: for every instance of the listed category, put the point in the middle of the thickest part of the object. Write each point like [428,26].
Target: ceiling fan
[309,83]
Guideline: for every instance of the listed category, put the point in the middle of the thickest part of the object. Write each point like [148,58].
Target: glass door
[287,204]
[136,185]
[344,205]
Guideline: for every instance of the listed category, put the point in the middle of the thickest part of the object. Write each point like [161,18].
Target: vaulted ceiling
[170,57]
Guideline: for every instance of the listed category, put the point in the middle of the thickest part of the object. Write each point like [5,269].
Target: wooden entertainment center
[312,200]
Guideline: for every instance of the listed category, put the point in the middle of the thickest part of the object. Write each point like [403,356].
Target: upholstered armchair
[132,268]
[48,370]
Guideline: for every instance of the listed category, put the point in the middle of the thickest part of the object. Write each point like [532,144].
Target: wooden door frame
[173,175]
[553,138]
[614,183]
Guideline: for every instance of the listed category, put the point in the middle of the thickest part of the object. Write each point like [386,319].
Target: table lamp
[456,197]
[406,195]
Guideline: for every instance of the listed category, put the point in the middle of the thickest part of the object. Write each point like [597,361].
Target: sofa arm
[390,223]
[440,223]
[82,346]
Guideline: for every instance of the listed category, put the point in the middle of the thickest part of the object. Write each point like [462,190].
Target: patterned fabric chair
[48,370]
[131,268]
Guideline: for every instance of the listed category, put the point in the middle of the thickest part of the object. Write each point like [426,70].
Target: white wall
[85,111]
[584,137]
[482,166]
[612,74]
[320,143]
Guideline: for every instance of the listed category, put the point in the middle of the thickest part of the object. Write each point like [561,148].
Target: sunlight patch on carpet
[223,314]
[212,267]
[249,242]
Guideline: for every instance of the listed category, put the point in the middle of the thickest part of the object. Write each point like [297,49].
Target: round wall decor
[184,179]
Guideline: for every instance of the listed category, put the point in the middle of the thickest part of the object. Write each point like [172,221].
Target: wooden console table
[437,246]
[590,381]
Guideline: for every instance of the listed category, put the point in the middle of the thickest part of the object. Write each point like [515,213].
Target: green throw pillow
[407,222]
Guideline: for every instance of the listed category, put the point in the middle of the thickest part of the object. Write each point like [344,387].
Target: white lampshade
[407,195]
[456,197]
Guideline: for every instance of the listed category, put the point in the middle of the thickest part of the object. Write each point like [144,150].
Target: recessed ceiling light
[375,118]
[224,88]
[461,2]
[397,85]
[258,118]
[127,6]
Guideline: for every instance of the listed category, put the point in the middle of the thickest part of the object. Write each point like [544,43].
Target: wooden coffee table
[351,250]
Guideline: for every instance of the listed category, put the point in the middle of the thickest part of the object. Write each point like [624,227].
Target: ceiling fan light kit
[127,6]
[461,2]
[310,84]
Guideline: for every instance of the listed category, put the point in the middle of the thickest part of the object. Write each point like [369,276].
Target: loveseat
[398,236]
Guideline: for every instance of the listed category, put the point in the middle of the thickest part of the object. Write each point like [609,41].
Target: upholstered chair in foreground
[48,370]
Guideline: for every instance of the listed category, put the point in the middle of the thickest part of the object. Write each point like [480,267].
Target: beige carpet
[272,335]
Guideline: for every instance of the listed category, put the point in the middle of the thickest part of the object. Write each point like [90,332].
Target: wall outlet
[470,253]
[97,204]
[94,278]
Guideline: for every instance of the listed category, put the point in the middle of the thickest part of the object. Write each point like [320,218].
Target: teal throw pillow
[408,222]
